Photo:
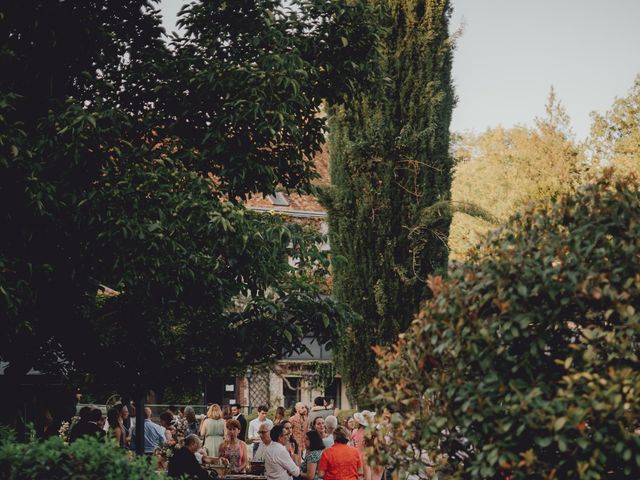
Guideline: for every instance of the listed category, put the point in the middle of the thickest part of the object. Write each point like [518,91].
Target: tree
[389,208]
[615,136]
[502,170]
[123,161]
[526,358]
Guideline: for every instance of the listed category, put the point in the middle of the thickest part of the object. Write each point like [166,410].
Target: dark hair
[263,408]
[315,440]
[280,411]
[313,425]
[233,423]
[182,409]
[190,414]
[112,417]
[276,432]
[318,401]
[173,409]
[341,435]
[95,415]
[84,413]
[166,417]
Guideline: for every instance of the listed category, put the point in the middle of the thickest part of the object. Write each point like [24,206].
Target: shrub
[86,458]
[529,352]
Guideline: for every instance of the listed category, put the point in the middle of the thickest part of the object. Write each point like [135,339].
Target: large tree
[122,163]
[389,209]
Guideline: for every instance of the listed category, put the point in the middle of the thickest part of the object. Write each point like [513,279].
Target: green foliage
[389,166]
[86,458]
[122,162]
[529,350]
[615,135]
[502,170]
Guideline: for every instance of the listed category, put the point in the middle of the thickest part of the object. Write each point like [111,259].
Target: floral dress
[235,455]
[311,457]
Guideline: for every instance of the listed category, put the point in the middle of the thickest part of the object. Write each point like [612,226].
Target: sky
[512,51]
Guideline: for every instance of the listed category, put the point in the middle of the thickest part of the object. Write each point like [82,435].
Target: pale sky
[512,51]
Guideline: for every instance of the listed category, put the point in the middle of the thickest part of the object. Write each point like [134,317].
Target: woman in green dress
[314,446]
[212,429]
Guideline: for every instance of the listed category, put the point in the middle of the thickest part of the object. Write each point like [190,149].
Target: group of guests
[308,444]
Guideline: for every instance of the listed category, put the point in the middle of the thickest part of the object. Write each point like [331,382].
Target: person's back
[341,461]
[184,462]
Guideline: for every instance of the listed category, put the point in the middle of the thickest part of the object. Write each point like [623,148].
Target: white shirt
[278,464]
[254,425]
[328,441]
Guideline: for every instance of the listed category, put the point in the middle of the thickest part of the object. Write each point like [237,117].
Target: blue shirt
[153,436]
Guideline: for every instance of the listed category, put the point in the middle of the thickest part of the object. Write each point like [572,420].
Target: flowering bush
[525,362]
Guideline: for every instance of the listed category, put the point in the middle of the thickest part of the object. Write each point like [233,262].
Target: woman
[292,445]
[233,449]
[212,429]
[126,423]
[116,429]
[358,440]
[318,426]
[192,421]
[314,447]
[349,424]
[279,416]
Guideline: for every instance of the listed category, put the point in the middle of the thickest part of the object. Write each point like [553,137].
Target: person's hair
[190,414]
[341,435]
[235,405]
[276,432]
[214,412]
[166,417]
[263,408]
[318,401]
[346,421]
[315,420]
[119,406]
[147,412]
[233,423]
[95,415]
[331,422]
[84,413]
[173,409]
[315,440]
[226,412]
[112,417]
[279,414]
[191,439]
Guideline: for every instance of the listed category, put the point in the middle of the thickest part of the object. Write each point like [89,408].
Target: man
[184,460]
[330,424]
[154,434]
[265,440]
[299,424]
[340,462]
[237,415]
[91,427]
[254,425]
[319,409]
[278,464]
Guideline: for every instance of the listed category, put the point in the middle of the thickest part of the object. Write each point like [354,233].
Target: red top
[340,462]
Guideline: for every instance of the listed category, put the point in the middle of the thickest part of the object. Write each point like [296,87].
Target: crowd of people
[308,444]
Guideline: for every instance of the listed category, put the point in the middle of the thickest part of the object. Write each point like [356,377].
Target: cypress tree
[389,205]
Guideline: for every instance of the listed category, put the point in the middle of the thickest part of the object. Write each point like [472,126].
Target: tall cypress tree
[389,206]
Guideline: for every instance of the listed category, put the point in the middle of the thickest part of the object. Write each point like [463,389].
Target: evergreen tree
[389,206]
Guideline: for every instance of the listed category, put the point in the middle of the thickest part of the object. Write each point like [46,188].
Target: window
[334,392]
[290,391]
[279,199]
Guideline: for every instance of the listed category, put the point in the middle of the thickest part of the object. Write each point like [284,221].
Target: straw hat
[361,418]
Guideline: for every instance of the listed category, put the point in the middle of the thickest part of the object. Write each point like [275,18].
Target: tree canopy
[125,253]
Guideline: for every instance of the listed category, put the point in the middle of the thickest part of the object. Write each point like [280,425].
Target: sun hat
[361,419]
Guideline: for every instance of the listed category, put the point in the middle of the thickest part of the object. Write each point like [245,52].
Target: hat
[360,418]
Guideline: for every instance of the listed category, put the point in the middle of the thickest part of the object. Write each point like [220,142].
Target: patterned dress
[311,457]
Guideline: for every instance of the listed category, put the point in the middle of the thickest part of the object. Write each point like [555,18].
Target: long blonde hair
[214,412]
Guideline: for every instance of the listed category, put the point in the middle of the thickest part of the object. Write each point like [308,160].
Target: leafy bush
[86,458]
[528,354]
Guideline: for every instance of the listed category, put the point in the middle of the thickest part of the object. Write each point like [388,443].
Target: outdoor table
[243,476]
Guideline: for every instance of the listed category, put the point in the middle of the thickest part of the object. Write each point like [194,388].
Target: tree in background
[125,257]
[389,209]
[501,170]
[615,136]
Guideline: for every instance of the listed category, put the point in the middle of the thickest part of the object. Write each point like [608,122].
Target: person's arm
[311,471]
[243,456]
[202,429]
[287,463]
[253,431]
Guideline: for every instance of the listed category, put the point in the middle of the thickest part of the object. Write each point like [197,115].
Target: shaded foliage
[389,209]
